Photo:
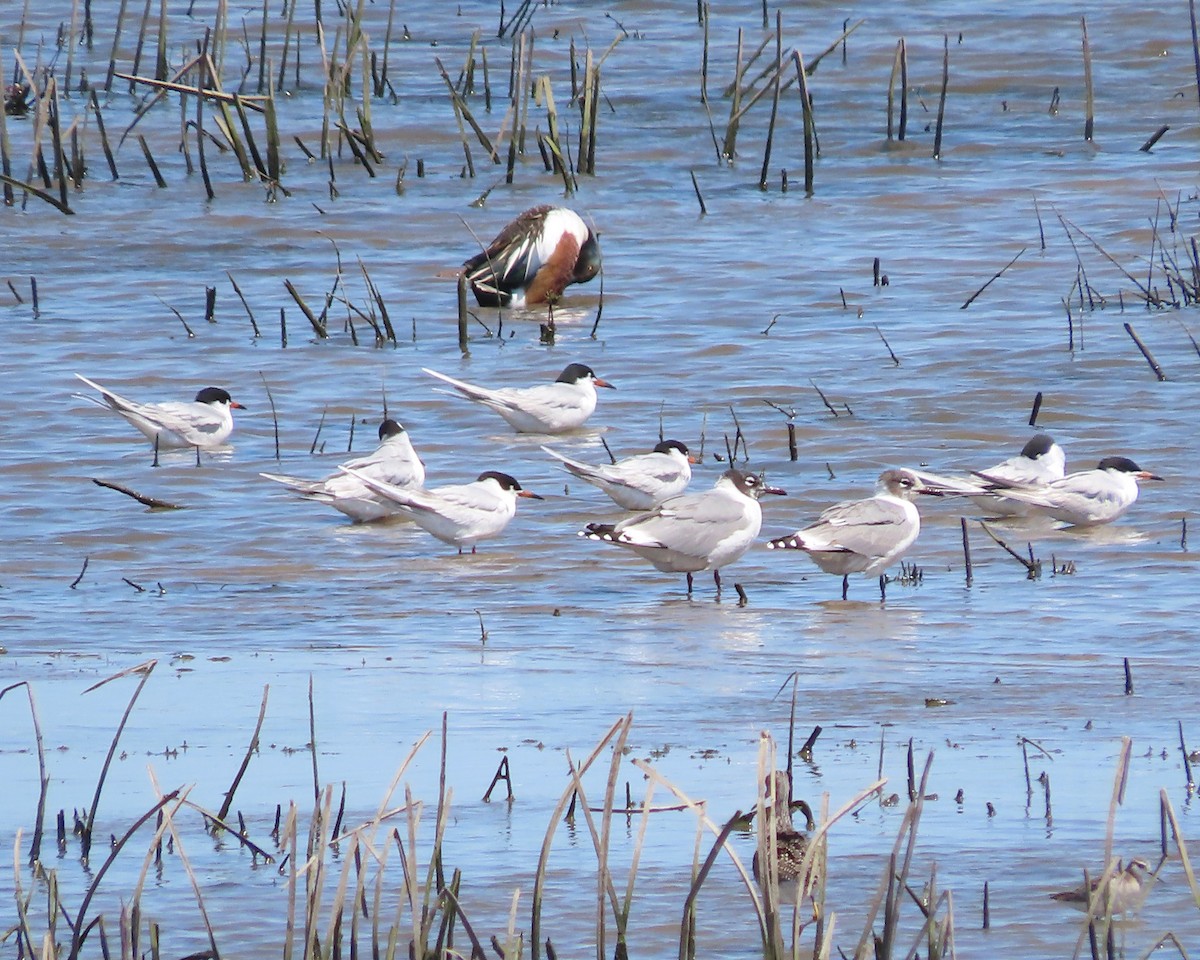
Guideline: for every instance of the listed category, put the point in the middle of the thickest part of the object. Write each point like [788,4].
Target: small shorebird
[791,845]
[548,408]
[1123,892]
[1041,461]
[461,514]
[863,536]
[394,461]
[205,422]
[534,258]
[641,482]
[1084,499]
[693,532]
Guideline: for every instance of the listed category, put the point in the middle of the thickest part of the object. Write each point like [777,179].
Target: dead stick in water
[153,502]
[1187,763]
[996,276]
[696,187]
[274,414]
[966,550]
[1037,407]
[1195,42]
[1030,566]
[1089,122]
[766,164]
[937,136]
[824,399]
[1158,371]
[1128,678]
[1154,138]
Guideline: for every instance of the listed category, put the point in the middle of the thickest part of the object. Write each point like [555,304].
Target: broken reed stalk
[1158,371]
[730,141]
[937,136]
[766,164]
[1037,407]
[250,750]
[35,847]
[566,797]
[1154,138]
[966,542]
[1032,567]
[995,276]
[1089,121]
[809,126]
[144,669]
[699,198]
[891,91]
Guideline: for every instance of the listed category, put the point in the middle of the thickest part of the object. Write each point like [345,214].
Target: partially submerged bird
[1123,892]
[534,258]
[1040,461]
[460,514]
[641,482]
[863,536]
[694,532]
[1084,499]
[548,408]
[205,422]
[394,461]
[791,845]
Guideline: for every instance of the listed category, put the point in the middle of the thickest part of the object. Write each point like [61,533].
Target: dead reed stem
[995,276]
[1089,108]
[809,126]
[1154,365]
[35,847]
[250,750]
[937,136]
[766,164]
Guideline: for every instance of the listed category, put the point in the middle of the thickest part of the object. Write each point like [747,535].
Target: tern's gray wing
[868,527]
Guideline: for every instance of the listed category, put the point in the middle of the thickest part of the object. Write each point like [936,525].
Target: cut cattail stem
[1158,371]
[1037,408]
[966,541]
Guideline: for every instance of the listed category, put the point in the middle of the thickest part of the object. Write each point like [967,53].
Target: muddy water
[247,588]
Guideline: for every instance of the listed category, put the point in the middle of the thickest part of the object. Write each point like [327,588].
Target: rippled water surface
[706,318]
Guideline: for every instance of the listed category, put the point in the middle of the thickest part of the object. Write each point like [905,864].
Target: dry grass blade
[44,777]
[144,669]
[1181,845]
[237,778]
[40,194]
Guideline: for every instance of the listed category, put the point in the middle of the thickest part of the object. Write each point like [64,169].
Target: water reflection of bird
[547,408]
[394,461]
[205,422]
[1040,461]
[534,258]
[641,482]
[863,536]
[791,845]
[1084,499]
[460,514]
[1123,892]
[694,532]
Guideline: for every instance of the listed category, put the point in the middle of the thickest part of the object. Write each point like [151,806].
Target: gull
[1040,461]
[641,482]
[791,845]
[461,514]
[693,532]
[1084,499]
[205,422]
[394,461]
[863,536]
[548,408]
[1122,893]
[534,259]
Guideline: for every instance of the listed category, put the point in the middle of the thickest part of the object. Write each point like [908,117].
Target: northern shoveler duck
[205,422]
[534,259]
[863,536]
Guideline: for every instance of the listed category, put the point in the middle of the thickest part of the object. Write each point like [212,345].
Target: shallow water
[249,588]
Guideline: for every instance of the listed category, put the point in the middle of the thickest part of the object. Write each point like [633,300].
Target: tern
[534,258]
[791,845]
[863,536]
[205,422]
[460,515]
[1122,893]
[641,482]
[394,461]
[548,408]
[1040,461]
[694,532]
[1084,499]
